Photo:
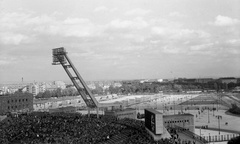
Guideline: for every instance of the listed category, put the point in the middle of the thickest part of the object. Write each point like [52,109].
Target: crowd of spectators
[42,127]
[58,128]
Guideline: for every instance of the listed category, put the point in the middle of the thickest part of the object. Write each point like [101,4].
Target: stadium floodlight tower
[60,57]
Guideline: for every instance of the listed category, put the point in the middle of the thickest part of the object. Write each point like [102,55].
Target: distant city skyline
[120,40]
[68,81]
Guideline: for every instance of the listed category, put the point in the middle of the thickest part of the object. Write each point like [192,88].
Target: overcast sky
[124,39]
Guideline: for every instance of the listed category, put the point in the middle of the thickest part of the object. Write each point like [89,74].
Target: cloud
[201,47]
[177,14]
[233,46]
[177,33]
[39,20]
[225,21]
[137,12]
[104,9]
[171,50]
[234,51]
[101,8]
[73,21]
[19,27]
[13,38]
[160,30]
[177,40]
[12,20]
[77,27]
[233,41]
[6,60]
[189,33]
[137,23]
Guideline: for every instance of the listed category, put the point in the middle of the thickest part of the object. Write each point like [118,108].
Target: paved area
[206,132]
[166,105]
[224,142]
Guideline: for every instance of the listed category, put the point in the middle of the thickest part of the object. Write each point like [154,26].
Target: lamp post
[156,103]
[208,116]
[218,123]
[191,100]
[213,109]
[209,138]
[174,106]
[181,106]
[200,132]
[163,106]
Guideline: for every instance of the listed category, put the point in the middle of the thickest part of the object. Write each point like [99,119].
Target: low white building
[33,89]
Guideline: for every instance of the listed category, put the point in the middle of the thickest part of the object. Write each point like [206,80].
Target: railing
[191,134]
[219,138]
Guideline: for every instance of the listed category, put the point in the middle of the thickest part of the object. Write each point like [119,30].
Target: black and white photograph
[119,72]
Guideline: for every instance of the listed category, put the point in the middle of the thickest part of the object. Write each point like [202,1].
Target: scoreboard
[154,121]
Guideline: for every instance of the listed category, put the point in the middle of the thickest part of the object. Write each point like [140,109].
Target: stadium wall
[185,121]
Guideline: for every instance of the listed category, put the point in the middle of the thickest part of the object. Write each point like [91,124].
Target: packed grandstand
[42,127]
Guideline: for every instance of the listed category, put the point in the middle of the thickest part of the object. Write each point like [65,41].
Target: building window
[19,100]
[8,101]
[15,100]
[8,107]
[26,99]
[23,100]
[12,100]
[15,106]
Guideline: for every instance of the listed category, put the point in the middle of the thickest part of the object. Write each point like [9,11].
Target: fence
[219,138]
[191,134]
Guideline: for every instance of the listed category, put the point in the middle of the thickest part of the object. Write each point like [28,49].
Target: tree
[70,91]
[113,90]
[58,92]
[47,94]
[139,115]
[19,93]
[39,95]
[235,109]
[216,86]
[231,85]
[98,90]
[235,140]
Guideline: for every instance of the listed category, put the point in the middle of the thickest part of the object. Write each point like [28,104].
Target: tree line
[141,88]
[234,109]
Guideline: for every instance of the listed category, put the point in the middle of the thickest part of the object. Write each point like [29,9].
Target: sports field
[206,109]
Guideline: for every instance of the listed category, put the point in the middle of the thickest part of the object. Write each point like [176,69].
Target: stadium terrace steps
[118,139]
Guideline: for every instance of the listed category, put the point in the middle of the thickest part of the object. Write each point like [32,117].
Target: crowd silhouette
[64,128]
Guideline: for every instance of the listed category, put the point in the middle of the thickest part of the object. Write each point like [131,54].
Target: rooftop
[227,78]
[153,111]
[178,115]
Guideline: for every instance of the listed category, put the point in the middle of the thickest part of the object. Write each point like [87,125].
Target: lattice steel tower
[60,57]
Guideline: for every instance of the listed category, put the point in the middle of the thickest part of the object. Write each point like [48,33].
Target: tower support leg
[97,112]
[88,112]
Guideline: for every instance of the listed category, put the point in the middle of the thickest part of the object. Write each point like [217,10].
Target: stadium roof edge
[153,111]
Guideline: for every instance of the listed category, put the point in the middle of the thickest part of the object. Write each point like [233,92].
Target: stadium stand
[62,128]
